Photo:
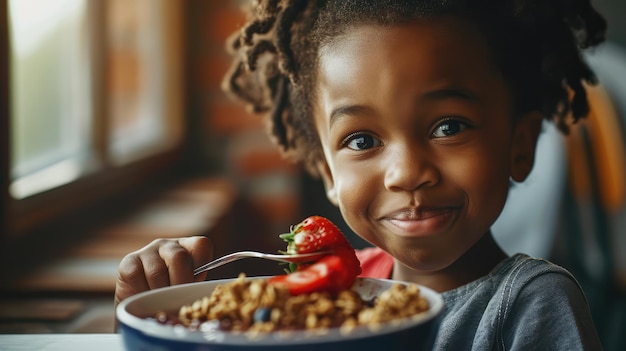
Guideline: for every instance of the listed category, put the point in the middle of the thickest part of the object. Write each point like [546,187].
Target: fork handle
[253,254]
[219,262]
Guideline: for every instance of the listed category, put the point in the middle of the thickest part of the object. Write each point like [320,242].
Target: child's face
[417,129]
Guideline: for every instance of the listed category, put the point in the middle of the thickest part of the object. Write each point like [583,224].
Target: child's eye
[449,127]
[360,141]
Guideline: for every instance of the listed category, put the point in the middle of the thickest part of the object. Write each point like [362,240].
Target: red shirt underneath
[375,263]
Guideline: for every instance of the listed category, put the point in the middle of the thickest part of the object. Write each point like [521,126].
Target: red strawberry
[314,234]
[334,272]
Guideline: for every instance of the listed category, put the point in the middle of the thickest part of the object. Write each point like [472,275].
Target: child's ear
[329,183]
[525,134]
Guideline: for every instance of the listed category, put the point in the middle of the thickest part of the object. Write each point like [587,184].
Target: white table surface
[61,342]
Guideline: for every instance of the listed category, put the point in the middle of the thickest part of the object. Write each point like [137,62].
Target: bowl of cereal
[246,313]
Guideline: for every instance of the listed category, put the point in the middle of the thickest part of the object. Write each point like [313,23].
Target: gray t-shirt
[523,304]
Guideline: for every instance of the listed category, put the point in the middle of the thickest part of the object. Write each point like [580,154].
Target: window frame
[46,212]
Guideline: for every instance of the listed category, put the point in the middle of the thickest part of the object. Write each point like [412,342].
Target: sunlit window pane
[50,102]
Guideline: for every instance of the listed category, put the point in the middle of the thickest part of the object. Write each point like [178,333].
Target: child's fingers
[201,251]
[177,265]
[131,278]
[175,261]
[162,263]
[180,257]
[155,261]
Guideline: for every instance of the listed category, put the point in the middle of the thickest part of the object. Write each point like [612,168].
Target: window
[96,96]
[51,100]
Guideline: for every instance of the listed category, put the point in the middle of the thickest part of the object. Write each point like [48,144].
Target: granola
[254,306]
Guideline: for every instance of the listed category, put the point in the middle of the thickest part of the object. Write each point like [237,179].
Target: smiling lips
[421,222]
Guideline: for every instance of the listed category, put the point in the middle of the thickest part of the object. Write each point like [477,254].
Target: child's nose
[409,169]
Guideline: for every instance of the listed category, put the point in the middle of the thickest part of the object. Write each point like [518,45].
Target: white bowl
[139,332]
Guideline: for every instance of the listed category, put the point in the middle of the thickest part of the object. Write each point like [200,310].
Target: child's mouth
[421,223]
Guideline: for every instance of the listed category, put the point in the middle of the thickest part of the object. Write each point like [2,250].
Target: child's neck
[481,259]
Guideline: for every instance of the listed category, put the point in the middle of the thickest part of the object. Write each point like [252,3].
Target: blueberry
[262,314]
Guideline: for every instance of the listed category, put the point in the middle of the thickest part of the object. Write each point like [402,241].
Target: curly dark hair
[536,43]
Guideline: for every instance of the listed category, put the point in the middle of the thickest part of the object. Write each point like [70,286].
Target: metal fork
[297,258]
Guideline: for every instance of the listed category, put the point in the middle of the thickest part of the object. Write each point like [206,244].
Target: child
[416,115]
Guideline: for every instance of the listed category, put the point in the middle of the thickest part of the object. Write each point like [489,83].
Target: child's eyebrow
[448,93]
[439,94]
[347,110]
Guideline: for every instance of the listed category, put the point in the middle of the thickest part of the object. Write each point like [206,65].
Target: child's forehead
[408,62]
[422,29]
[419,39]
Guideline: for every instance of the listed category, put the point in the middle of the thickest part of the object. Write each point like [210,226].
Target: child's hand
[162,263]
